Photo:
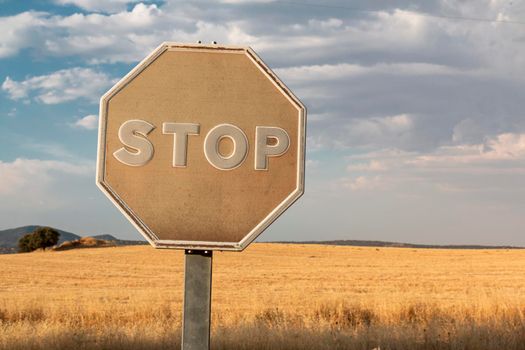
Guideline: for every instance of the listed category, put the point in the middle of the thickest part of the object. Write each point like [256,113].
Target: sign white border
[202,245]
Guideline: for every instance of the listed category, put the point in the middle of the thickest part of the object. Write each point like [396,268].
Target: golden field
[271,296]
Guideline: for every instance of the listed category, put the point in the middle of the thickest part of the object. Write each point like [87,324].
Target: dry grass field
[272,296]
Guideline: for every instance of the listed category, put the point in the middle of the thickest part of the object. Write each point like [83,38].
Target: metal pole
[197,300]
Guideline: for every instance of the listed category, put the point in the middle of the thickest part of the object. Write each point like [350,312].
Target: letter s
[133,134]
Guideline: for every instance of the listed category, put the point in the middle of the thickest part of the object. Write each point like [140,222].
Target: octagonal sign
[201,147]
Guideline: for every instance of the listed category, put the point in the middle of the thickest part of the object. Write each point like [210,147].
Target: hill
[9,238]
[118,242]
[106,237]
[99,241]
[85,242]
[383,244]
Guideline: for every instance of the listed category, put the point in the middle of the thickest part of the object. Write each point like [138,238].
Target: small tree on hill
[42,237]
[24,244]
[45,237]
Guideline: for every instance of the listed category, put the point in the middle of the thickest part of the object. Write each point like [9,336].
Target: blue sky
[416,126]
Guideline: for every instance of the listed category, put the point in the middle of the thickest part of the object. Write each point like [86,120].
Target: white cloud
[312,164]
[380,126]
[245,1]
[18,31]
[501,148]
[374,131]
[124,36]
[422,95]
[89,122]
[50,149]
[31,177]
[467,131]
[496,165]
[15,90]
[12,112]
[364,183]
[342,71]
[372,166]
[98,5]
[328,23]
[506,146]
[52,192]
[127,36]
[364,132]
[496,153]
[61,86]
[57,193]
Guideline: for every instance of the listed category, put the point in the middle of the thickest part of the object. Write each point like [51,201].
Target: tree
[42,237]
[24,244]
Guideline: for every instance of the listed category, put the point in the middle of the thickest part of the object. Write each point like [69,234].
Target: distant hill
[85,242]
[9,238]
[106,237]
[359,243]
[9,241]
[117,241]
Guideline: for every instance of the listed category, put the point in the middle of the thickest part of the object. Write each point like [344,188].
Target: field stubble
[272,296]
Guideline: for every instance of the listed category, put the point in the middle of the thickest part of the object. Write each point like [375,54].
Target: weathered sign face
[201,146]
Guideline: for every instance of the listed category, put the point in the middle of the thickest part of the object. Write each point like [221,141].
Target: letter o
[240,146]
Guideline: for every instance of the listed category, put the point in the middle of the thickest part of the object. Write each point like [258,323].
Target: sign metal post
[197,300]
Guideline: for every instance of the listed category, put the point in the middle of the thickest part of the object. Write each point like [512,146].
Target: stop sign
[201,147]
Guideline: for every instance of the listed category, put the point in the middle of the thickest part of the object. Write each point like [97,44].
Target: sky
[416,121]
